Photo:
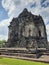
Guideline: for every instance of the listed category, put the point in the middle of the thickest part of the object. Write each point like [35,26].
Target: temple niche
[27,31]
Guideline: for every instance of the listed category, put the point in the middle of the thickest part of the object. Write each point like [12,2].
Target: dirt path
[43,58]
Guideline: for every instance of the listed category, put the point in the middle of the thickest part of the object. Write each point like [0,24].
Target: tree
[2,42]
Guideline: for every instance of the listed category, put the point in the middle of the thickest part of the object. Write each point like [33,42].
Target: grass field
[10,61]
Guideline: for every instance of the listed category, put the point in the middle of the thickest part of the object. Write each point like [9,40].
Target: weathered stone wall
[27,30]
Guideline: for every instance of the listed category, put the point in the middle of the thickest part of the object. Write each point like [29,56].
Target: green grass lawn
[11,61]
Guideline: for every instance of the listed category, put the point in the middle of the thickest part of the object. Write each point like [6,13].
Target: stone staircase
[23,52]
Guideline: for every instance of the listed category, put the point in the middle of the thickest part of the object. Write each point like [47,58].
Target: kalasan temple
[27,31]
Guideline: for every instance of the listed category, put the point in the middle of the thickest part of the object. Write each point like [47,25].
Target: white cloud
[4,28]
[14,7]
[5,22]
[3,37]
[47,28]
[47,1]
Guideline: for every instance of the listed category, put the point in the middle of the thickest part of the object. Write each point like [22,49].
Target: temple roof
[25,13]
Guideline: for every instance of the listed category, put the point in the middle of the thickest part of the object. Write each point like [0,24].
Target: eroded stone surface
[27,30]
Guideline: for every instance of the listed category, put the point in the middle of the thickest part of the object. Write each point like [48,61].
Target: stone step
[22,54]
[18,51]
[19,54]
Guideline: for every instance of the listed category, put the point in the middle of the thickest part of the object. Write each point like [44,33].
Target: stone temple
[27,31]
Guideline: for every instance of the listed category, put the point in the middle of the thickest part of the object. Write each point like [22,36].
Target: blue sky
[3,12]
[12,8]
